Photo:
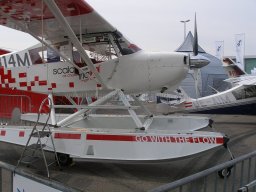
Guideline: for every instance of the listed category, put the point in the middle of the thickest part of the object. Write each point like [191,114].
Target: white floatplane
[80,53]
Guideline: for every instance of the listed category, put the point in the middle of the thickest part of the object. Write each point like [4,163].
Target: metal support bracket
[131,111]
[70,119]
[149,118]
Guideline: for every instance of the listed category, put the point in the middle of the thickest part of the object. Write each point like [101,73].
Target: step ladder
[34,149]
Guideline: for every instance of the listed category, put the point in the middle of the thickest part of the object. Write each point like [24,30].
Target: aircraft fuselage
[133,73]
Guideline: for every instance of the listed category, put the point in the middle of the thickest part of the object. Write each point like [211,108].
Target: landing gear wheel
[64,159]
[226,172]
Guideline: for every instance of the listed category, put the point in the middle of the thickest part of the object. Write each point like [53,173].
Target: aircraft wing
[250,82]
[38,19]
[243,80]
[58,21]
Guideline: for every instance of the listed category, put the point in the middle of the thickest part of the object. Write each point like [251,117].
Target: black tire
[64,159]
[225,172]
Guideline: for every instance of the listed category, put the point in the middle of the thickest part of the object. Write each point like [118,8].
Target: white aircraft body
[116,64]
[80,53]
[239,99]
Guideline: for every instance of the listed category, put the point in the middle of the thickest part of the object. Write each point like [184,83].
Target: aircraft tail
[232,69]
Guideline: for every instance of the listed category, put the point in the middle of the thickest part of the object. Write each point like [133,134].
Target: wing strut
[61,19]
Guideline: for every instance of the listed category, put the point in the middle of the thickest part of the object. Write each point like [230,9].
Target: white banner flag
[219,49]
[239,40]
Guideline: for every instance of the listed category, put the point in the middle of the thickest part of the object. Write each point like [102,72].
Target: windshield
[99,47]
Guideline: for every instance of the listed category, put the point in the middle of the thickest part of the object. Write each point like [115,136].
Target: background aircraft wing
[37,18]
[249,82]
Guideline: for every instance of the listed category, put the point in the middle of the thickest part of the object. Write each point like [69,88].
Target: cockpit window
[52,56]
[36,55]
[99,47]
[105,46]
[123,44]
[41,54]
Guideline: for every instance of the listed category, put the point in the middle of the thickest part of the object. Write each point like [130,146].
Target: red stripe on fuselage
[156,138]
[67,136]
[110,137]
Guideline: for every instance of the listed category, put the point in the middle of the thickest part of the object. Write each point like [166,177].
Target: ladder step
[31,151]
[41,134]
[36,146]
[29,159]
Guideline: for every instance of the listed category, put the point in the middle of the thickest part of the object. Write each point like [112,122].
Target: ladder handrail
[39,142]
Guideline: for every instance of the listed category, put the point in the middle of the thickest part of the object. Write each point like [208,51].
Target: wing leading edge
[38,18]
[34,17]
[70,23]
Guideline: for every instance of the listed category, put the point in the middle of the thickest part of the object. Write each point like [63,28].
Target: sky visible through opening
[156,26]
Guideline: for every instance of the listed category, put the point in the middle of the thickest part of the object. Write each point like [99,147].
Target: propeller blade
[197,61]
[195,43]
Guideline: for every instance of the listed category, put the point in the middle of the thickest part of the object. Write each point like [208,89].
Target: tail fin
[232,69]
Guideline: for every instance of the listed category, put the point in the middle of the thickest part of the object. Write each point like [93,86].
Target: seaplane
[239,99]
[80,53]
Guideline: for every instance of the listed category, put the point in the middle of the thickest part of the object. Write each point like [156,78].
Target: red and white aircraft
[91,53]
[80,52]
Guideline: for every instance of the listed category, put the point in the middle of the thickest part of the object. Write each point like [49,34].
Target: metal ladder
[34,148]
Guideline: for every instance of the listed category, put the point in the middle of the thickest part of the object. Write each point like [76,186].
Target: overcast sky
[155,25]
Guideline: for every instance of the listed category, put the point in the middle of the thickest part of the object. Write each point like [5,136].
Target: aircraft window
[41,54]
[77,59]
[106,46]
[102,47]
[123,44]
[36,55]
[127,49]
[101,52]
[99,48]
[53,56]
